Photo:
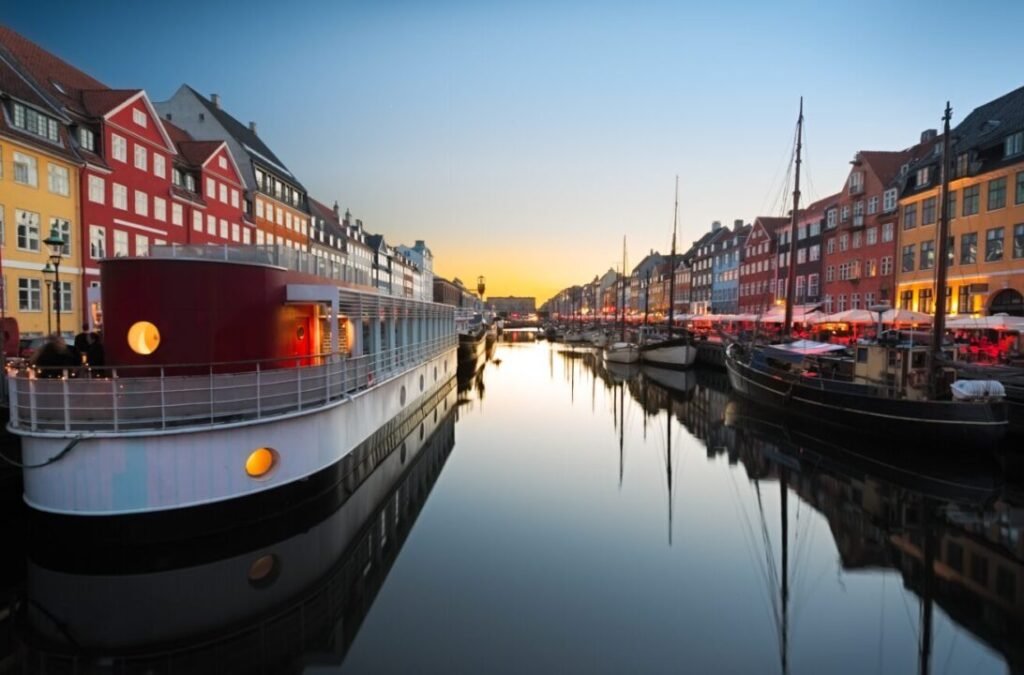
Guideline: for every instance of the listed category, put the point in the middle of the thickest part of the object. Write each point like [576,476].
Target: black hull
[939,424]
[471,347]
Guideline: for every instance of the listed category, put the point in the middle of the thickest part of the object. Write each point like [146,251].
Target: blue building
[725,283]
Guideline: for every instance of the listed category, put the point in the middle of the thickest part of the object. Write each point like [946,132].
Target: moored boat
[622,352]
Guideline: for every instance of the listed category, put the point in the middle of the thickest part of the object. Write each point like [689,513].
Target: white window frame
[141,157]
[120,197]
[119,147]
[177,214]
[58,179]
[141,203]
[159,165]
[140,118]
[30,168]
[121,244]
[97,190]
[97,242]
[160,209]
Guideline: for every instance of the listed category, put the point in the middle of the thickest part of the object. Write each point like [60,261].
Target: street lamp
[47,271]
[56,244]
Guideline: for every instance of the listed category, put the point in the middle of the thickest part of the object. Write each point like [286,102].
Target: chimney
[215,99]
[716,226]
[337,211]
[929,135]
[737,225]
[252,127]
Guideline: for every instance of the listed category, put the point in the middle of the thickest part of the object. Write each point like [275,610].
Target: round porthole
[300,332]
[401,395]
[264,571]
[143,338]
[260,462]
[421,382]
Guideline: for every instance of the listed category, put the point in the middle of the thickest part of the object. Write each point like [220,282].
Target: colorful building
[986,208]
[725,269]
[807,244]
[757,277]
[702,254]
[860,230]
[278,204]
[39,193]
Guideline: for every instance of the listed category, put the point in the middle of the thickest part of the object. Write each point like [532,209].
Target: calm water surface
[553,515]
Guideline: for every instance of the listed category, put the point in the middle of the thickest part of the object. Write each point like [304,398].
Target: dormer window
[963,163]
[87,139]
[176,177]
[923,176]
[190,182]
[1014,144]
[856,183]
[35,122]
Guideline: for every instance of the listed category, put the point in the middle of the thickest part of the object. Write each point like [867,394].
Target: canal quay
[545,511]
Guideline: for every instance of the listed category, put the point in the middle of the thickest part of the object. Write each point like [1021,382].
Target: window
[160,209]
[236,233]
[923,176]
[830,219]
[35,122]
[3,236]
[177,215]
[963,301]
[855,301]
[869,300]
[259,237]
[928,211]
[159,166]
[63,228]
[924,300]
[141,157]
[288,219]
[28,230]
[950,251]
[222,162]
[871,236]
[801,232]
[858,208]
[830,273]
[909,216]
[801,256]
[844,242]
[223,229]
[841,303]
[211,188]
[26,170]
[234,198]
[120,197]
[889,200]
[119,148]
[906,299]
[57,179]
[812,285]
[828,304]
[259,207]
[994,244]
[97,242]
[870,268]
[873,205]
[197,221]
[211,224]
[63,297]
[120,243]
[971,198]
[29,295]
[951,205]
[141,203]
[97,189]
[1019,198]
[223,190]
[968,248]
[887,231]
[139,117]
[857,239]
[927,255]
[844,213]
[815,229]
[997,193]
[908,258]
[814,252]
[1018,241]
[280,216]
[87,139]
[141,245]
[1014,144]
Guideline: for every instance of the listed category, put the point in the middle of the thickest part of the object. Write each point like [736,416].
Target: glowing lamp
[143,338]
[260,462]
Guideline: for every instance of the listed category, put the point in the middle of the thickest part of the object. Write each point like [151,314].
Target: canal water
[554,514]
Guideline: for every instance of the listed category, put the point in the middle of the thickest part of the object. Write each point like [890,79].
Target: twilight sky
[522,140]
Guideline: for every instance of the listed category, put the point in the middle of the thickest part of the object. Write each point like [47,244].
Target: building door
[1007,301]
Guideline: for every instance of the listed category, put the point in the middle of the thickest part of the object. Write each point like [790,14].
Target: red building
[757,273]
[860,230]
[219,217]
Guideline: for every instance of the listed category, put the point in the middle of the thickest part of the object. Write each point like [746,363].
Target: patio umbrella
[851,316]
[1000,322]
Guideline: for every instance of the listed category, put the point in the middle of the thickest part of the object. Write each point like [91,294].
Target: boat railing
[147,398]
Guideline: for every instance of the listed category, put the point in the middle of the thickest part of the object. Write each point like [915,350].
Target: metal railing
[113,399]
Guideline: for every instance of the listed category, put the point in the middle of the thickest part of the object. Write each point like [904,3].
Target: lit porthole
[264,571]
[401,395]
[260,462]
[143,338]
[421,382]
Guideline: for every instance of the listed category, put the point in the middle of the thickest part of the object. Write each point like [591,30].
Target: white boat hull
[676,356]
[108,474]
[622,354]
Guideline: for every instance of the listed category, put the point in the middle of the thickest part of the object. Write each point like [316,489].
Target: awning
[799,350]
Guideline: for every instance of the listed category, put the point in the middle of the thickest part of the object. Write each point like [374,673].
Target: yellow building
[986,206]
[39,193]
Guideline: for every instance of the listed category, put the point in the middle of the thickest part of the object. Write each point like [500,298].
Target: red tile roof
[98,102]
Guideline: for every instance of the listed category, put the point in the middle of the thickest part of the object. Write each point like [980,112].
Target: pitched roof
[771,224]
[247,138]
[990,123]
[99,102]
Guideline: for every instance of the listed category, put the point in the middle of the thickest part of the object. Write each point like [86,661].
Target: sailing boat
[622,351]
[889,388]
[672,352]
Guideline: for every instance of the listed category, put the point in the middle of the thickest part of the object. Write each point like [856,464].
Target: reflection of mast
[924,664]
[622,431]
[668,466]
[784,499]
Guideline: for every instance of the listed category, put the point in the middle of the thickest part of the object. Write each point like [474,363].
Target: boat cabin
[898,360]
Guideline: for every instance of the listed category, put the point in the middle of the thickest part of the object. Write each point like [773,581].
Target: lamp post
[47,271]
[56,244]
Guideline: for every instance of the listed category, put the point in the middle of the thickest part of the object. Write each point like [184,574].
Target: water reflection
[946,523]
[259,602]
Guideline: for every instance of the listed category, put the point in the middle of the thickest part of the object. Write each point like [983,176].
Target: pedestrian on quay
[82,340]
[95,355]
[53,357]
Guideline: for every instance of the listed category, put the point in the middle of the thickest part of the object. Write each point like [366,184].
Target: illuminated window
[143,338]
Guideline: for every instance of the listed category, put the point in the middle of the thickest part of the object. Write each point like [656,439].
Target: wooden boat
[622,351]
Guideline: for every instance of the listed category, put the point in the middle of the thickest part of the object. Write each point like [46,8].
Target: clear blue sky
[523,139]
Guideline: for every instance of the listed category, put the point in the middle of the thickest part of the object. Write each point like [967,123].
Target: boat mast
[791,276]
[672,266]
[647,295]
[623,291]
[939,324]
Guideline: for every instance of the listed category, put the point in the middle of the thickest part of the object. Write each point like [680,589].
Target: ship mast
[623,291]
[941,268]
[791,276]
[672,266]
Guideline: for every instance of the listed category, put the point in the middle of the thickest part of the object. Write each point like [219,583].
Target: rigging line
[778,172]
[769,552]
[949,655]
[748,540]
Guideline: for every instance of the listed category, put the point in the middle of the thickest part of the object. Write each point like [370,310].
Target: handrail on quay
[159,397]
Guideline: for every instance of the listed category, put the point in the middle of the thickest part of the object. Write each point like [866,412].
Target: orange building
[986,208]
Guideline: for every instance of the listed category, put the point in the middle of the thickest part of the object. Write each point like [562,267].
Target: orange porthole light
[143,338]
[260,462]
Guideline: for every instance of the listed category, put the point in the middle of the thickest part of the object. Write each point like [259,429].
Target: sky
[523,140]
